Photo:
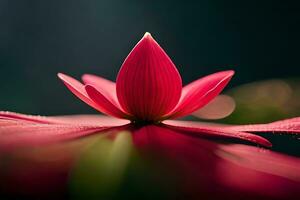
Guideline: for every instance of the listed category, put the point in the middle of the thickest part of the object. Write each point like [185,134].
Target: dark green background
[258,39]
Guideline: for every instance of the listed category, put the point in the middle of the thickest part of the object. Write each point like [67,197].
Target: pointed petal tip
[263,141]
[147,35]
[62,76]
[148,38]
[232,72]
[229,73]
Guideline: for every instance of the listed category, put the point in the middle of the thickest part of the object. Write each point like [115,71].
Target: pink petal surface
[201,129]
[148,84]
[218,108]
[257,170]
[36,134]
[290,126]
[210,170]
[104,86]
[18,130]
[93,120]
[262,160]
[6,115]
[78,89]
[200,92]
[107,106]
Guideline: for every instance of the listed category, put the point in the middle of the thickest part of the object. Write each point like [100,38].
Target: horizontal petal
[200,92]
[15,132]
[106,106]
[289,126]
[266,173]
[262,160]
[106,87]
[6,115]
[37,134]
[201,129]
[78,89]
[92,120]
[148,84]
[205,169]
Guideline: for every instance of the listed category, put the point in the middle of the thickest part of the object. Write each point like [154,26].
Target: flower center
[139,122]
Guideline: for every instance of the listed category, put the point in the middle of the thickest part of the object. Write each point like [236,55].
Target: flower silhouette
[146,98]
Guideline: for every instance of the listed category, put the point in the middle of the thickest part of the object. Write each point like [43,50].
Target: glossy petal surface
[93,120]
[106,87]
[106,105]
[203,130]
[148,84]
[205,168]
[200,92]
[20,130]
[290,126]
[102,104]
[77,89]
[262,160]
[12,116]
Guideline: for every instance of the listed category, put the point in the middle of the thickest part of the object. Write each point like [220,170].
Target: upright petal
[78,89]
[200,92]
[106,106]
[148,84]
[106,87]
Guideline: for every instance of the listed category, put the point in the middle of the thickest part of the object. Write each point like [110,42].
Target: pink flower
[146,97]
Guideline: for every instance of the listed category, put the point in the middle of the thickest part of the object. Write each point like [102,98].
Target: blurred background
[259,40]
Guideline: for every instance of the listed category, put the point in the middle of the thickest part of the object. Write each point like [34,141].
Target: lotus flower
[146,98]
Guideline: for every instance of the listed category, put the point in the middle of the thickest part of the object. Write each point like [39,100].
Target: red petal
[291,126]
[106,87]
[210,130]
[262,160]
[78,89]
[92,120]
[200,92]
[106,106]
[208,170]
[5,115]
[36,134]
[15,132]
[260,171]
[148,83]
